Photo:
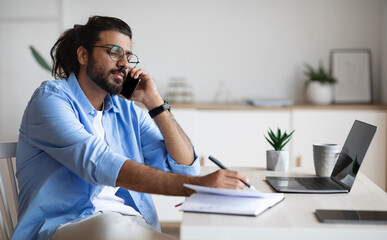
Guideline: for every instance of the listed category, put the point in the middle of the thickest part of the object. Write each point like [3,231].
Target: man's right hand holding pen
[244,180]
[225,178]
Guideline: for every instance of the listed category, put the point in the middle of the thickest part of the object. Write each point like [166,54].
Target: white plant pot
[277,160]
[318,93]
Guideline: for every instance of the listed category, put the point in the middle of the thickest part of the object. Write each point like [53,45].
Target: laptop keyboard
[317,183]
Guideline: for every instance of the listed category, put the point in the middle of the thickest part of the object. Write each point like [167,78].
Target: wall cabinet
[236,137]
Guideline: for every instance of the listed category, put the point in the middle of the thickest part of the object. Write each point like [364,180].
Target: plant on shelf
[319,75]
[278,159]
[319,85]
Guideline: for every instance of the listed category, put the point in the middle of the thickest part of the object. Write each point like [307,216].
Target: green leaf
[40,59]
[272,136]
[278,140]
[271,143]
[320,74]
[290,134]
[283,145]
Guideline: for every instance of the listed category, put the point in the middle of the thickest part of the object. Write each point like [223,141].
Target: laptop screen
[353,153]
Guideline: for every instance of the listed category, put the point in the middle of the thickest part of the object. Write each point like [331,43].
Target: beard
[101,79]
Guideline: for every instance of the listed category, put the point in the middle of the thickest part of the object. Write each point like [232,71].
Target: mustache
[120,70]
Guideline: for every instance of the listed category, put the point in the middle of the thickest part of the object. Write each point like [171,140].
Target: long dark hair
[64,51]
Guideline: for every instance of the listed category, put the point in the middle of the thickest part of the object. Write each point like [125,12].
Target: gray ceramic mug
[325,157]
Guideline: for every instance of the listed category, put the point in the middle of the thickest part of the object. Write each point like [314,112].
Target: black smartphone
[351,216]
[129,86]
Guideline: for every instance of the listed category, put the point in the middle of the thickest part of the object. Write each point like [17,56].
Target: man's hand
[146,91]
[223,179]
[219,179]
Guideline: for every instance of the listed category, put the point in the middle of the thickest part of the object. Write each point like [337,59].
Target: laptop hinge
[341,184]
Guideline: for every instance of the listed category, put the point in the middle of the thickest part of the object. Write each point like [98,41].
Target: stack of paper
[228,201]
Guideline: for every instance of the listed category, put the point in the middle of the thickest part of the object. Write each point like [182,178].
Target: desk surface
[292,218]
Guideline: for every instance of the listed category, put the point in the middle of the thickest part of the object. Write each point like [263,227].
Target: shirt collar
[109,104]
[84,101]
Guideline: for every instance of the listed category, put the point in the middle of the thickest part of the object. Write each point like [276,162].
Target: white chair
[7,152]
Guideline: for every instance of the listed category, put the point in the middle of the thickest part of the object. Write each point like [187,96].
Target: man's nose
[123,63]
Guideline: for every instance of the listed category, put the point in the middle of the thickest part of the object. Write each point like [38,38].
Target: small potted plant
[319,85]
[277,159]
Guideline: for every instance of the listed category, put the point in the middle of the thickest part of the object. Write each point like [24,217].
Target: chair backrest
[7,153]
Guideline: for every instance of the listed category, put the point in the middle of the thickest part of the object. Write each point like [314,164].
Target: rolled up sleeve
[192,170]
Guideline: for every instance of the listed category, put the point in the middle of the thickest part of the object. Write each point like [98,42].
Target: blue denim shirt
[62,164]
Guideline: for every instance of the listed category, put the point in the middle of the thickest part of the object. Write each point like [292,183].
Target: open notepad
[227,201]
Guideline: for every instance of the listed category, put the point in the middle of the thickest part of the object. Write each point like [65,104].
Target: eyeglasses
[116,53]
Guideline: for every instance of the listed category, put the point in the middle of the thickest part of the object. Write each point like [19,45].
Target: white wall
[383,47]
[257,47]
[22,23]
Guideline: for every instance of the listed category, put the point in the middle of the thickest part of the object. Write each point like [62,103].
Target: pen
[217,162]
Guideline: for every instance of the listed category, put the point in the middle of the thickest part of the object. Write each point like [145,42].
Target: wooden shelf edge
[294,107]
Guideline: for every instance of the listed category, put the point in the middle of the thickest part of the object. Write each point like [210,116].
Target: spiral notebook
[227,201]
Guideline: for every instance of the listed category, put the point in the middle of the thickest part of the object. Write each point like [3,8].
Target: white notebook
[227,201]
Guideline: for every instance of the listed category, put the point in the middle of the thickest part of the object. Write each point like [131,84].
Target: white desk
[294,217]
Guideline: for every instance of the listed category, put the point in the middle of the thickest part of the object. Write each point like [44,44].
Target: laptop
[344,173]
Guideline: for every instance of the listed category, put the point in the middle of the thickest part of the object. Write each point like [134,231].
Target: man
[87,158]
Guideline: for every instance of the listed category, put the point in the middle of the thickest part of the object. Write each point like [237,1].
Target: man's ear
[82,55]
